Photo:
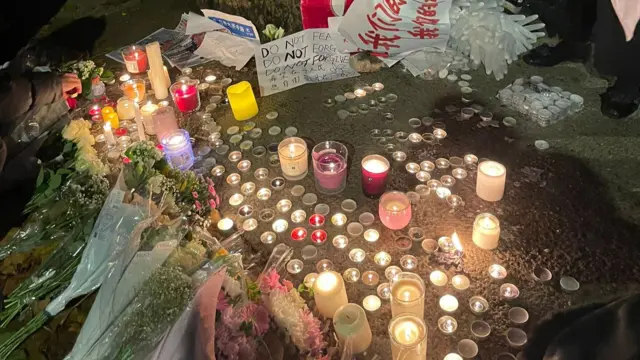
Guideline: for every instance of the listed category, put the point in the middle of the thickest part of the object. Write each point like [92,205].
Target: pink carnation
[271,281]
[198,206]
[223,304]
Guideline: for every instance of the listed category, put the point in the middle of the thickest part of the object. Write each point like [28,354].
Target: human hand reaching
[71,85]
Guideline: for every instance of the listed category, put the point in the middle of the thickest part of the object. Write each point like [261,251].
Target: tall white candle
[491,180]
[139,123]
[156,71]
[486,231]
[108,134]
[408,335]
[350,322]
[146,111]
[407,294]
[329,293]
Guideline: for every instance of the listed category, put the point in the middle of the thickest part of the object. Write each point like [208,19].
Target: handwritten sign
[309,56]
[397,26]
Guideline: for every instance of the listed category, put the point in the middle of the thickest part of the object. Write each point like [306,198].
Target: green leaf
[67,147]
[40,177]
[55,181]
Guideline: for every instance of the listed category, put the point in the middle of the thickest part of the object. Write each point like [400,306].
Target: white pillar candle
[108,134]
[146,111]
[329,293]
[486,231]
[407,294]
[408,335]
[140,123]
[350,323]
[491,180]
[156,71]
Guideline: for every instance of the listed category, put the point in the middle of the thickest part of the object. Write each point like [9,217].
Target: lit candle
[234,179]
[164,121]
[382,259]
[478,305]
[452,356]
[316,220]
[329,293]
[135,59]
[448,303]
[185,95]
[371,303]
[371,235]
[408,262]
[310,279]
[225,225]
[359,92]
[298,216]
[292,153]
[370,278]
[280,225]
[157,77]
[509,291]
[384,291]
[242,100]
[295,266]
[263,194]
[491,180]
[350,322]
[178,150]
[407,294]
[408,335]
[351,275]
[318,237]
[375,170]
[283,206]
[391,272]
[457,246]
[339,219]
[460,282]
[134,89]
[357,255]
[236,199]
[210,79]
[340,241]
[245,211]
[394,210]
[486,231]
[94,110]
[125,77]
[108,134]
[438,278]
[109,115]
[126,109]
[447,325]
[298,234]
[330,167]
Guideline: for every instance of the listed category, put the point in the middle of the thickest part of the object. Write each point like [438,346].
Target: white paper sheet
[308,56]
[229,50]
[198,24]
[235,25]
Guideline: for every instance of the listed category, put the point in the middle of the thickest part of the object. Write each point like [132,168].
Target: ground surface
[579,217]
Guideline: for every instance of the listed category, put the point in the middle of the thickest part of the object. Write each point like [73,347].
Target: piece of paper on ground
[235,25]
[198,24]
[229,50]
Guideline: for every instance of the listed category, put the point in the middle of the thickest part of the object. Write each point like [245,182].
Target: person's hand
[71,84]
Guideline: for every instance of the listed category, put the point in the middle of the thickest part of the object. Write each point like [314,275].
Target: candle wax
[186,98]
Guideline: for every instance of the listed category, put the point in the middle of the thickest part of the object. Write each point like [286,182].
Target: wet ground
[578,216]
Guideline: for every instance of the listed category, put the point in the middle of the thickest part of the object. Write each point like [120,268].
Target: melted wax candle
[185,96]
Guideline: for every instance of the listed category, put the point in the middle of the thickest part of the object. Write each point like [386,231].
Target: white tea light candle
[491,180]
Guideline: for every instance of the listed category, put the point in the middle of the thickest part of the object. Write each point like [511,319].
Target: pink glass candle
[298,234]
[185,95]
[95,110]
[164,121]
[316,220]
[319,237]
[375,169]
[330,166]
[394,210]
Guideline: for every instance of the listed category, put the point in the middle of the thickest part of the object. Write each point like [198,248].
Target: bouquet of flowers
[86,70]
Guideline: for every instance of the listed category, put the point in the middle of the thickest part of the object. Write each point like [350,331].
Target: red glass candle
[135,59]
[316,220]
[319,236]
[375,170]
[185,95]
[95,110]
[298,234]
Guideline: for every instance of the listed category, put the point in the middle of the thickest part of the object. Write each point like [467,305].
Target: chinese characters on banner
[309,56]
[397,26]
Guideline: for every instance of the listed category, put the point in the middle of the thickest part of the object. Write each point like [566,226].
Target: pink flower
[261,320]
[288,284]
[126,160]
[271,281]
[222,304]
[212,191]
[194,194]
[315,339]
[198,206]
[159,147]
[210,182]
[212,203]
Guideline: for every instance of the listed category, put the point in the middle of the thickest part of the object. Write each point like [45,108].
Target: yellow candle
[491,180]
[292,153]
[156,71]
[243,102]
[146,111]
[329,293]
[486,231]
[408,335]
[350,323]
[407,294]
[112,118]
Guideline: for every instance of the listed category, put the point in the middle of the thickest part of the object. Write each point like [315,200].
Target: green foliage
[273,33]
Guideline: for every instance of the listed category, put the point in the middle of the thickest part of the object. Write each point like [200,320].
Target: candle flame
[487,223]
[107,126]
[456,241]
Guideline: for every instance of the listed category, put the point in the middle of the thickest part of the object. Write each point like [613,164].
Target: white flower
[231,286]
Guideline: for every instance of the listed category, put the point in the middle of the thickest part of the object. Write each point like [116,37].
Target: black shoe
[545,55]
[618,104]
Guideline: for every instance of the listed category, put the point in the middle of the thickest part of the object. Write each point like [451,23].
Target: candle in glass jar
[491,180]
[164,121]
[407,294]
[486,231]
[185,95]
[330,166]
[292,153]
[394,210]
[134,89]
[350,322]
[94,110]
[408,335]
[126,109]
[242,100]
[298,234]
[329,293]
[375,170]
[135,59]
[178,150]
[146,111]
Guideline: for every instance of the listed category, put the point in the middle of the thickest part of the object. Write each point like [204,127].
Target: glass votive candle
[460,282]
[448,303]
[245,211]
[375,170]
[478,305]
[447,324]
[292,153]
[391,272]
[283,206]
[339,219]
[236,199]
[250,224]
[178,150]
[134,89]
[412,168]
[399,156]
[355,229]
[490,182]
[446,244]
[541,274]
[408,334]
[454,201]
[516,338]
[261,174]
[382,259]
[351,275]
[509,291]
[443,192]
[366,218]
[324,265]
[433,184]
[135,59]
[235,156]
[357,255]
[427,165]
[470,159]
[225,225]
[370,278]
[316,220]
[294,266]
[384,291]
[244,165]
[248,188]
[429,138]
[322,209]
[298,216]
[277,183]
[263,194]
[371,303]
[459,173]
[298,234]
[371,235]
[430,246]
[218,170]
[268,237]
[452,356]
[497,272]
[185,95]
[310,279]
[309,252]
[340,242]
[423,190]
[408,262]
[438,278]
[442,163]
[319,237]
[330,166]
[480,329]
[266,215]
[348,206]
[394,210]
[518,315]
[280,225]
[440,134]
[468,348]
[415,138]
[423,176]
[447,180]
[309,199]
